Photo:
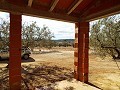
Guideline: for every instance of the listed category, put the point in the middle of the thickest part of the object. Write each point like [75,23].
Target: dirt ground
[103,73]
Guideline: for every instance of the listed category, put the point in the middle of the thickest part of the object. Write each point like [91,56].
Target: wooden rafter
[7,7]
[53,4]
[73,6]
[102,14]
[30,3]
[2,0]
[109,8]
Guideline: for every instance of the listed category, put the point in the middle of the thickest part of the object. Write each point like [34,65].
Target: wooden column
[15,52]
[81,59]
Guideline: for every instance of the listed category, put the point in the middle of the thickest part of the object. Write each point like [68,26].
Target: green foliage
[4,33]
[44,36]
[105,36]
[32,35]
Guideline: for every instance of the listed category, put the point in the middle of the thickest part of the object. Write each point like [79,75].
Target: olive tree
[44,37]
[35,36]
[4,33]
[105,36]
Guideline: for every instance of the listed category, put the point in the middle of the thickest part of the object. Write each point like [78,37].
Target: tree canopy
[105,36]
[32,35]
[4,33]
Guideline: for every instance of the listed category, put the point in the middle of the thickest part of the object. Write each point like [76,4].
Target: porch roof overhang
[64,10]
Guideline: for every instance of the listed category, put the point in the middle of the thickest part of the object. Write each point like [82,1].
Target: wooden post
[81,59]
[15,52]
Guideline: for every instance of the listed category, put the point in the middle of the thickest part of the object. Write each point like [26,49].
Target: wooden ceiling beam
[1,1]
[102,10]
[102,14]
[73,6]
[7,7]
[30,3]
[53,4]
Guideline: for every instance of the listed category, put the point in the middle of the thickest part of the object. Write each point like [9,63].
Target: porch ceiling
[65,10]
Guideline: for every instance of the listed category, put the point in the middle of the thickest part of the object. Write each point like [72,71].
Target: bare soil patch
[58,64]
[104,73]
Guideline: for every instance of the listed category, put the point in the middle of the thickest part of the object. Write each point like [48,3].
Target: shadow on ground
[89,83]
[37,76]
[6,60]
[45,52]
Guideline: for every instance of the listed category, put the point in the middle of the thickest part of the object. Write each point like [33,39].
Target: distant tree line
[32,36]
[65,43]
[35,36]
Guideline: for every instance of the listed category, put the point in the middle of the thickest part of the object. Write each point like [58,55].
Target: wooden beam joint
[7,7]
[73,6]
[53,4]
[30,3]
[101,10]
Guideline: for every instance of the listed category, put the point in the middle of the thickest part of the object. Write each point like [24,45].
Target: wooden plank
[102,14]
[102,10]
[53,4]
[7,7]
[2,0]
[73,6]
[30,3]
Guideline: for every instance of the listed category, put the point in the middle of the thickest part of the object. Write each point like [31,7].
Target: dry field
[55,65]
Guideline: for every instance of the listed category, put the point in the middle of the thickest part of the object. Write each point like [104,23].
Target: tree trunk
[118,54]
[117,50]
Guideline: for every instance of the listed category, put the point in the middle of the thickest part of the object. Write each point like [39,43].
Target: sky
[61,30]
